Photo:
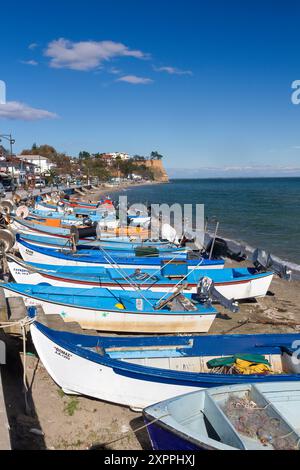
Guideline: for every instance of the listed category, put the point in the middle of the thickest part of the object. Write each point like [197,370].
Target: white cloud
[16,110]
[173,71]
[32,46]
[86,55]
[134,80]
[29,62]
[115,71]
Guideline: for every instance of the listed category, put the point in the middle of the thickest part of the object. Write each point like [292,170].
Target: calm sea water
[262,212]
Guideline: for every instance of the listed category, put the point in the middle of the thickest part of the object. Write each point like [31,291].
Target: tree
[156,156]
[139,158]
[50,178]
[44,150]
[84,155]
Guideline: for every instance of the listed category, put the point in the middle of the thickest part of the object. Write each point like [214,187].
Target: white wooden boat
[119,311]
[140,371]
[236,284]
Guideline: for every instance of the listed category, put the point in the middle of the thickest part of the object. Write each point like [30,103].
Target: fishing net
[256,423]
[246,364]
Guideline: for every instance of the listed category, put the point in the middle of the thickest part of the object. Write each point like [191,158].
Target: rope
[23,323]
[128,433]
[181,280]
[145,426]
[119,270]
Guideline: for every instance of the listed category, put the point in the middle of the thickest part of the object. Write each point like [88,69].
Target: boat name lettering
[62,353]
[21,271]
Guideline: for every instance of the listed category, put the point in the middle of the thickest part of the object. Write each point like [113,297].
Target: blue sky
[208,84]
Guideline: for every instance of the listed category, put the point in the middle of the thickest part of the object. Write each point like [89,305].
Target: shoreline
[120,187]
[294,267]
[77,422]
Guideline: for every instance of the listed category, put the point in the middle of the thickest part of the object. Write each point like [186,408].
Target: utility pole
[11,141]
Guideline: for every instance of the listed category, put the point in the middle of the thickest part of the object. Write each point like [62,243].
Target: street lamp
[11,141]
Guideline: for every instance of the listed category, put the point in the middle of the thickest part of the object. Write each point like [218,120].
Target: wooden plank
[3,307]
[17,308]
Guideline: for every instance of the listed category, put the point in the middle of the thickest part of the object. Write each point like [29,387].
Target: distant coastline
[232,177]
[218,173]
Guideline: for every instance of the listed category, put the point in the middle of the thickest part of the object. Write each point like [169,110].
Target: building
[114,155]
[3,153]
[17,169]
[42,164]
[107,158]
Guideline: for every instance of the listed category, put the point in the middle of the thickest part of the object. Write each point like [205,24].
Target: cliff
[157,168]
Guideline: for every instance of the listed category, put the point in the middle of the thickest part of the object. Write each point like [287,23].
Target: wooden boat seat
[182,303]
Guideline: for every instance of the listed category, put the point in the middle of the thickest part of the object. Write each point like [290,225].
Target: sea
[259,212]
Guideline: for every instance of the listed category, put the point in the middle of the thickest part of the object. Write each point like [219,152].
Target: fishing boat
[263,416]
[68,217]
[107,244]
[119,311]
[20,225]
[140,371]
[38,254]
[236,283]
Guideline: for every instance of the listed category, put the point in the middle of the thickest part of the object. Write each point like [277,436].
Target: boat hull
[256,287]
[41,255]
[100,381]
[163,438]
[94,365]
[121,321]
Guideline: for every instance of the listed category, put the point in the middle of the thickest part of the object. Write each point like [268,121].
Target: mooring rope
[23,323]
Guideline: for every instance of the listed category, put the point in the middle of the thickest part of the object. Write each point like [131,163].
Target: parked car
[8,185]
[40,184]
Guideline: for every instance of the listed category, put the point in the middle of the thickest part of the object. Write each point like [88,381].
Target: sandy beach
[58,421]
[75,422]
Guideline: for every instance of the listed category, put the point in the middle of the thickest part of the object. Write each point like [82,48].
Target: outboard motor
[87,232]
[87,221]
[264,261]
[206,292]
[217,247]
[236,251]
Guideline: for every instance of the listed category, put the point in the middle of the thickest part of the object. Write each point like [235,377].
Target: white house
[43,164]
[122,155]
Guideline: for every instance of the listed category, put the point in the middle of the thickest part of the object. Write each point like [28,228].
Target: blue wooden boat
[20,225]
[38,254]
[264,416]
[107,244]
[69,218]
[236,283]
[64,219]
[141,371]
[140,311]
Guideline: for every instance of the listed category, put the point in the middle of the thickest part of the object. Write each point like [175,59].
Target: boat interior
[244,417]
[192,353]
[105,299]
